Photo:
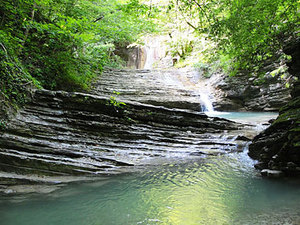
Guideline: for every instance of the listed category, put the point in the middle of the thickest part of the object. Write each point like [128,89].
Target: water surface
[223,189]
[245,117]
[217,190]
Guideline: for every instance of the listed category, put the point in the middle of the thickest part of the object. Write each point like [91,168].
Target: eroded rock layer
[168,88]
[61,134]
[278,147]
[250,92]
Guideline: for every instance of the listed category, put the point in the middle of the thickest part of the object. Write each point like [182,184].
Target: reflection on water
[222,189]
[216,190]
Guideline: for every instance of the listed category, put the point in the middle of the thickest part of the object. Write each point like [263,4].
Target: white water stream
[206,103]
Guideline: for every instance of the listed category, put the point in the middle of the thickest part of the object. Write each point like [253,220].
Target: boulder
[272,173]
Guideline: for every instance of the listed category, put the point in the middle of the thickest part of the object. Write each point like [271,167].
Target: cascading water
[156,52]
[206,103]
[149,58]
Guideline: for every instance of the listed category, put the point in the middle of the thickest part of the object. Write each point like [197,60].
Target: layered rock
[169,88]
[244,92]
[60,135]
[278,147]
[135,57]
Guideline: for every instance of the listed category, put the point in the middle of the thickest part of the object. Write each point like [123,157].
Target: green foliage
[247,32]
[3,125]
[63,44]
[115,103]
[14,78]
[180,46]
[206,70]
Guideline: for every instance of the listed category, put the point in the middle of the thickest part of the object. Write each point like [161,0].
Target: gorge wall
[246,92]
[243,92]
[278,147]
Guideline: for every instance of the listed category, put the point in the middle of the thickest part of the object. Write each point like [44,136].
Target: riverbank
[61,134]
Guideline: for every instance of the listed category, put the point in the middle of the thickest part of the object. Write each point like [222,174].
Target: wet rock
[59,135]
[271,121]
[168,88]
[278,146]
[241,93]
[260,166]
[243,138]
[272,173]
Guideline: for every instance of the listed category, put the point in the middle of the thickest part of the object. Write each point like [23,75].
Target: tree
[246,31]
[63,44]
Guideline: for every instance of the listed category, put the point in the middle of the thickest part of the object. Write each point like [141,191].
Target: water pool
[245,117]
[223,189]
[216,190]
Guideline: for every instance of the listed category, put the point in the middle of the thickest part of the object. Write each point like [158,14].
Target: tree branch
[100,18]
[201,8]
[27,28]
[191,25]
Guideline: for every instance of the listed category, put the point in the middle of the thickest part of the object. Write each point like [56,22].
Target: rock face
[168,88]
[154,53]
[62,134]
[245,93]
[135,57]
[278,147]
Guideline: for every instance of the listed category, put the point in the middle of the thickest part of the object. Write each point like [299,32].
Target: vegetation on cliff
[245,33]
[63,44]
[277,148]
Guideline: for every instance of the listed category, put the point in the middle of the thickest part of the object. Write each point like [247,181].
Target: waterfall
[149,58]
[206,103]
[156,52]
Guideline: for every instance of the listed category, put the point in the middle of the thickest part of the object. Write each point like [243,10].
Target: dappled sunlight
[123,112]
[217,190]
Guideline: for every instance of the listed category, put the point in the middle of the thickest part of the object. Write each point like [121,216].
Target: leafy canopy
[63,44]
[246,31]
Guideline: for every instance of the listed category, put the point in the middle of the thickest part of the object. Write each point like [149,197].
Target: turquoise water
[217,190]
[245,117]
[222,189]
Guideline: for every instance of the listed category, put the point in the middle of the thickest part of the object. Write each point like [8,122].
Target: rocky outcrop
[278,147]
[134,57]
[9,106]
[60,135]
[168,88]
[153,54]
[246,92]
